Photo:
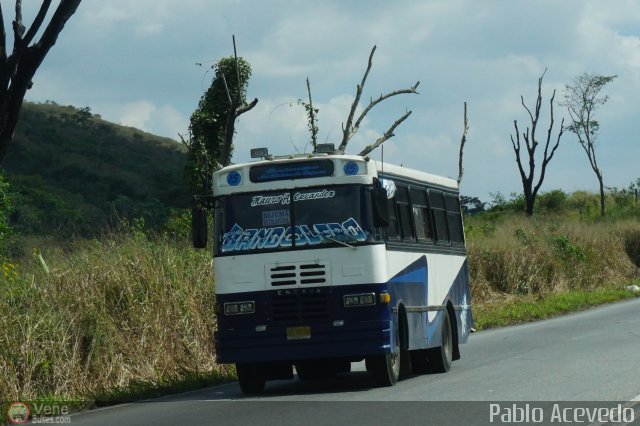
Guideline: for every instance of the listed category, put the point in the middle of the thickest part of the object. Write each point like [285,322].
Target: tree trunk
[601,194]
[529,202]
[529,196]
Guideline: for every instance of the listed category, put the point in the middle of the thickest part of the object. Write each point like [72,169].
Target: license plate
[298,333]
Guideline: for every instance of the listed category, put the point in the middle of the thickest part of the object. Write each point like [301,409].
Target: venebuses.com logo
[18,413]
[36,412]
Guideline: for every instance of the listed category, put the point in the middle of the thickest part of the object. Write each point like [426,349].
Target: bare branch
[44,8]
[3,43]
[516,150]
[185,142]
[247,107]
[312,118]
[377,101]
[546,157]
[65,10]
[465,129]
[526,107]
[387,135]
[226,89]
[18,28]
[347,128]
[237,100]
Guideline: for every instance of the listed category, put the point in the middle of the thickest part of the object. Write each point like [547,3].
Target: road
[583,357]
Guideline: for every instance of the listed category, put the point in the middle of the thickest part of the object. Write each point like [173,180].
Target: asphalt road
[574,360]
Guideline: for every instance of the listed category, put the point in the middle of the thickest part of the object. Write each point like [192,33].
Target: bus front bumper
[324,340]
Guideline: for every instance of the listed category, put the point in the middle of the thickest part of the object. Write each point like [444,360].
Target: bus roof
[404,172]
[241,177]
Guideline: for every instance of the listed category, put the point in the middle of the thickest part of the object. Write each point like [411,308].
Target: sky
[134,63]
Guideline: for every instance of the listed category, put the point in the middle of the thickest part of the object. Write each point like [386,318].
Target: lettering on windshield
[275,218]
[303,196]
[284,199]
[260,200]
[238,239]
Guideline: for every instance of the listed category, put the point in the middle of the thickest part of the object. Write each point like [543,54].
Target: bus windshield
[317,217]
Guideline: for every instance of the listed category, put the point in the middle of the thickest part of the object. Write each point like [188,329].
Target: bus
[325,259]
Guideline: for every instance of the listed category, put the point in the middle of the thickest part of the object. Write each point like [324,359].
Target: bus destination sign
[284,171]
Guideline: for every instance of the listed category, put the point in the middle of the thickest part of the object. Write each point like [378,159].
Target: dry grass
[110,314]
[521,256]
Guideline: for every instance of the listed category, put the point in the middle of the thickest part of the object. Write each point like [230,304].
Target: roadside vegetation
[122,317]
[563,259]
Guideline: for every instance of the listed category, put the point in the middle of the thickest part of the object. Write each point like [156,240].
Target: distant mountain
[73,173]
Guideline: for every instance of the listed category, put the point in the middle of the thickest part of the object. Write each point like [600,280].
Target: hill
[72,173]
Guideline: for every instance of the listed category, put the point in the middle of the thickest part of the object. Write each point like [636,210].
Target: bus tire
[250,378]
[440,358]
[405,354]
[386,368]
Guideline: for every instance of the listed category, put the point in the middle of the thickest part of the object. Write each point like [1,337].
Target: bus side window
[436,200]
[421,214]
[393,230]
[454,217]
[404,210]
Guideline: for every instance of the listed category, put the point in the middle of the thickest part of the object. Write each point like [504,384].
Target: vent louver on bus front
[293,274]
[299,307]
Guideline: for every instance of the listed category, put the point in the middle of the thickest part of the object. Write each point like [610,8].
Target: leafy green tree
[18,68]
[471,205]
[212,124]
[582,99]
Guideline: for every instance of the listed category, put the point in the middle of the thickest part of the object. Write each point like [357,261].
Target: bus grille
[298,274]
[299,307]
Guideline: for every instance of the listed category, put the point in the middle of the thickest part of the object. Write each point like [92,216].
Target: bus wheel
[385,368]
[250,378]
[440,358]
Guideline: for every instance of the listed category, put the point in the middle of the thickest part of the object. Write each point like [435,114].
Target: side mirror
[199,228]
[380,207]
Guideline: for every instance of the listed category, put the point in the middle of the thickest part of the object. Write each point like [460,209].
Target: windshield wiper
[340,242]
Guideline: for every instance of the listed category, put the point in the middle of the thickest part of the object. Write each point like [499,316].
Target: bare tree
[465,130]
[17,70]
[582,100]
[237,107]
[531,144]
[349,129]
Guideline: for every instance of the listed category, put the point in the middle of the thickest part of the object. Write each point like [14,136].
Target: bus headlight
[236,308]
[365,299]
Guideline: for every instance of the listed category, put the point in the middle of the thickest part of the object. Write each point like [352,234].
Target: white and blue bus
[322,260]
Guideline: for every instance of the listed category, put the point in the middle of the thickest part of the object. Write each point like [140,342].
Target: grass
[527,309]
[115,319]
[526,269]
[545,255]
